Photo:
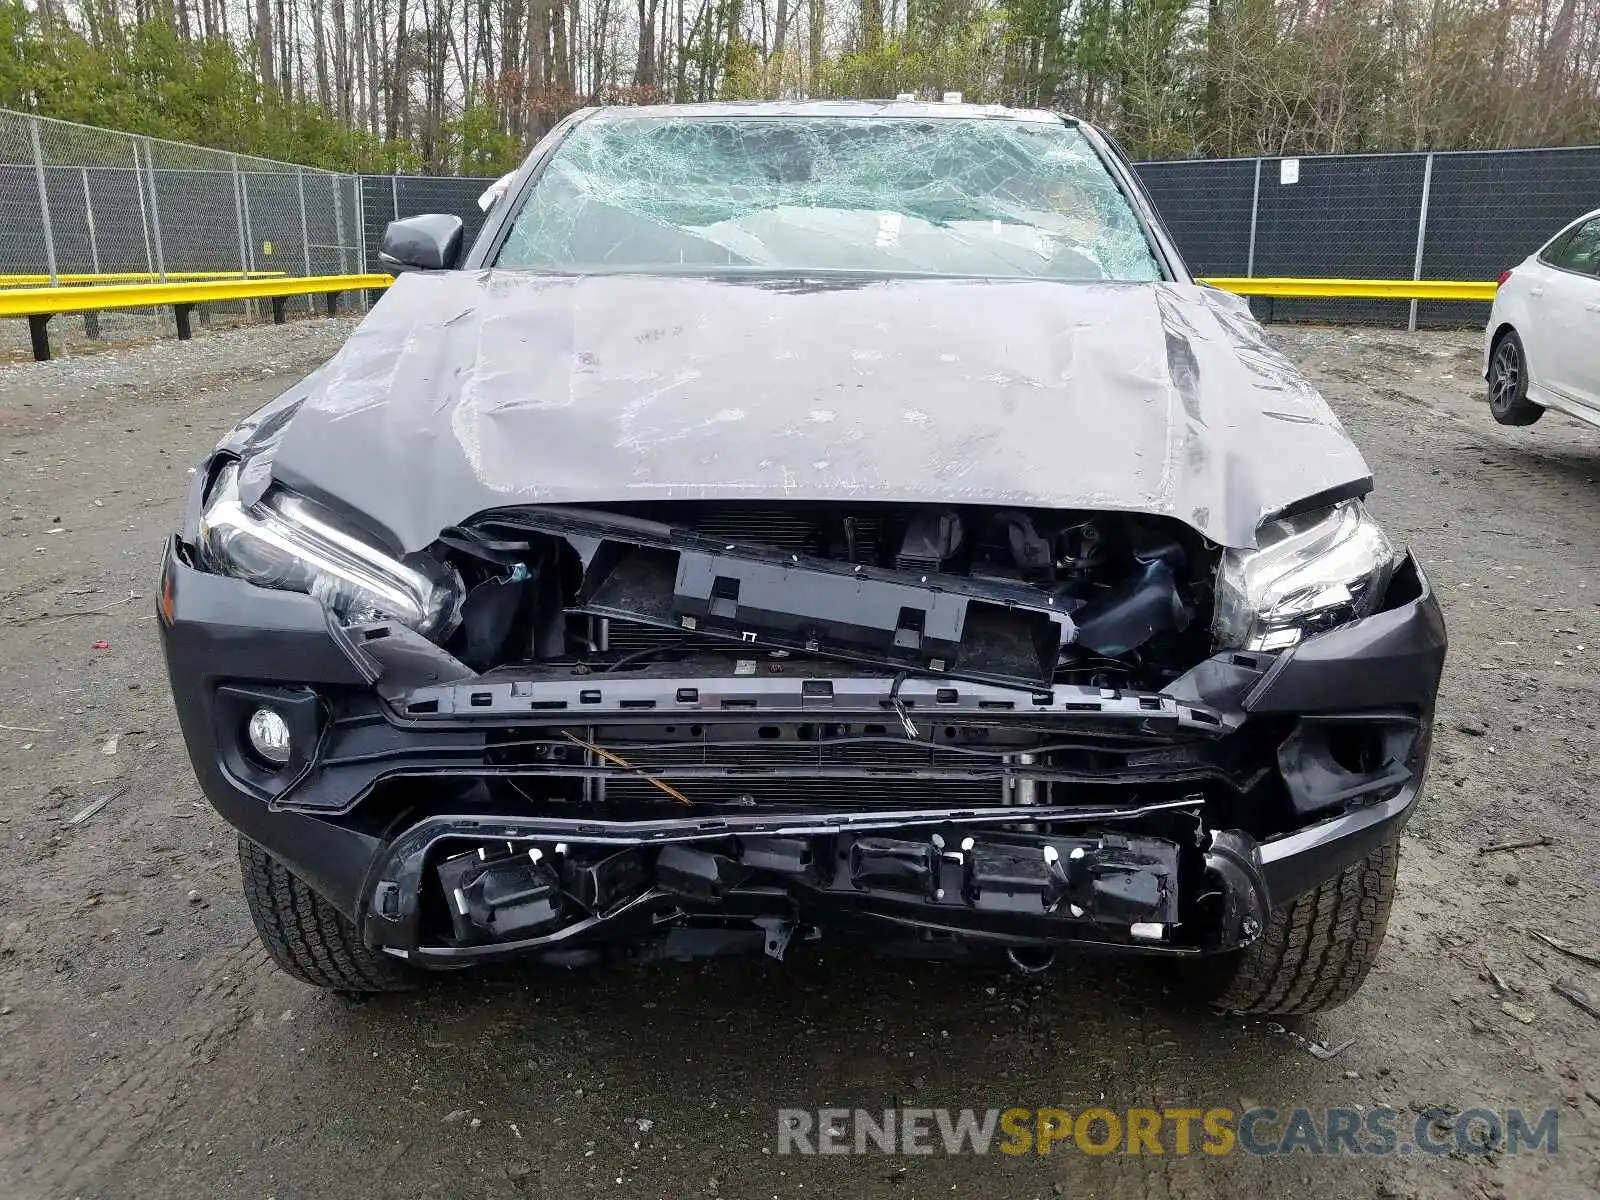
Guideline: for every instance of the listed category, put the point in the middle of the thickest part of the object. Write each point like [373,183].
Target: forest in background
[464,86]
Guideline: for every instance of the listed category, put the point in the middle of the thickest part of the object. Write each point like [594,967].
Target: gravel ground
[148,1050]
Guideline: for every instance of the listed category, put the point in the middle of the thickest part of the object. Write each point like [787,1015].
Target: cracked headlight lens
[287,543]
[1311,572]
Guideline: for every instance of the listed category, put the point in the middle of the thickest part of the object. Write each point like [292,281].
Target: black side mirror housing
[431,242]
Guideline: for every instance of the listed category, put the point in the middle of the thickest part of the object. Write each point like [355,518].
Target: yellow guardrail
[1353,289]
[39,304]
[75,279]
[183,292]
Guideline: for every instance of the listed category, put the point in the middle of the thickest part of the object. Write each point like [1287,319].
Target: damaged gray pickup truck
[842,521]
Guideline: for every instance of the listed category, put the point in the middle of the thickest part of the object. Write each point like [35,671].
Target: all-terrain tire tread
[1316,951]
[306,936]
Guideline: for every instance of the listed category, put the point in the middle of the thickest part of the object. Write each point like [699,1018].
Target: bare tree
[265,45]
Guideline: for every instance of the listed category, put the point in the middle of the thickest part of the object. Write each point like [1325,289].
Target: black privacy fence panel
[1205,205]
[1475,213]
[1348,218]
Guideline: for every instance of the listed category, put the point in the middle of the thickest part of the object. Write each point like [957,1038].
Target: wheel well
[1504,328]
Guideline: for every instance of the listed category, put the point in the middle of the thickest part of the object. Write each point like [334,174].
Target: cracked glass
[942,196]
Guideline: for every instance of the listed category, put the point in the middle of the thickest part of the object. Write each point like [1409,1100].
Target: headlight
[287,543]
[1311,573]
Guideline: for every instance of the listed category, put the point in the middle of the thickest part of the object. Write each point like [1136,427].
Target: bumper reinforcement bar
[549,885]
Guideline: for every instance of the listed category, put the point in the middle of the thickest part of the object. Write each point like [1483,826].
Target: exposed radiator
[625,637]
[794,531]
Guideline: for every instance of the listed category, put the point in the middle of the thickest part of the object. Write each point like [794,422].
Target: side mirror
[431,242]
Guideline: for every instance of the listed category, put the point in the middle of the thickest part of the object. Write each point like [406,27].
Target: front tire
[308,937]
[1508,382]
[1316,950]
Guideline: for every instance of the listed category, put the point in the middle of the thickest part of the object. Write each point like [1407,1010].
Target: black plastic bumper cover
[219,631]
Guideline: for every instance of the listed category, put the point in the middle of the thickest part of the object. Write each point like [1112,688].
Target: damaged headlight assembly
[287,543]
[1311,572]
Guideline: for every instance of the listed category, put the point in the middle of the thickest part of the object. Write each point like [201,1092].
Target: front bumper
[409,802]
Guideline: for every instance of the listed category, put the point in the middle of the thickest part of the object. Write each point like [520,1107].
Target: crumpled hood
[465,391]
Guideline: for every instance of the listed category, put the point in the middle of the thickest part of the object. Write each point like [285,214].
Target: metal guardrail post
[1255,210]
[1422,234]
[155,210]
[144,216]
[305,232]
[91,321]
[44,200]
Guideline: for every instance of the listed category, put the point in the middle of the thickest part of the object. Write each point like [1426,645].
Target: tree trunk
[679,92]
[535,73]
[570,59]
[597,47]
[814,30]
[341,62]
[780,27]
[662,43]
[644,71]
[264,45]
[374,12]
[561,55]
[320,43]
[871,25]
[285,66]
[399,75]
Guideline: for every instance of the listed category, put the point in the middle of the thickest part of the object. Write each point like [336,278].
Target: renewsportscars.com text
[1216,1131]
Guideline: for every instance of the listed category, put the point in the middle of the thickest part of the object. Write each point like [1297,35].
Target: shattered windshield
[948,196]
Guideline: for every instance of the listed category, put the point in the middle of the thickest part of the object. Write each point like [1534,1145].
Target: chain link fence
[78,201]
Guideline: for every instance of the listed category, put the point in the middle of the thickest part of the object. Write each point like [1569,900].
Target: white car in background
[1542,346]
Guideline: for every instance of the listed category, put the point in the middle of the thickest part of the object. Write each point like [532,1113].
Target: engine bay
[1020,598]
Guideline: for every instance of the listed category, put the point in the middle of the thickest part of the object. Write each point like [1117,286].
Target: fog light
[269,736]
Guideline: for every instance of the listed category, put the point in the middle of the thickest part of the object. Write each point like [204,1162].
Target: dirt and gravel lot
[147,1048]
